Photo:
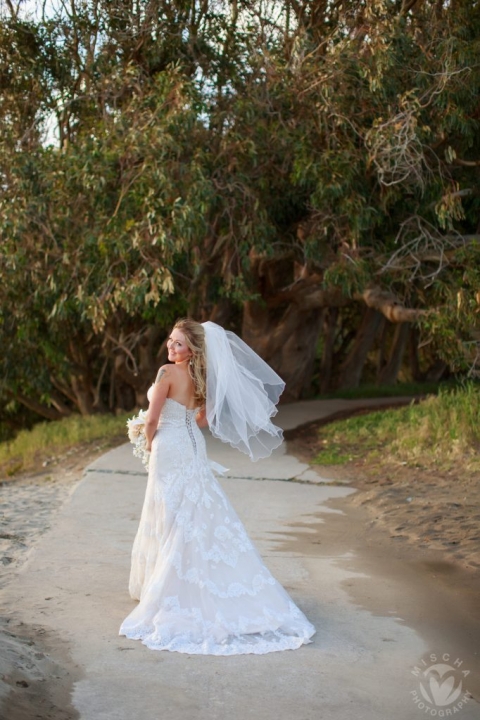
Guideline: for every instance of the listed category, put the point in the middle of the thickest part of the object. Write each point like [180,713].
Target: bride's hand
[148,447]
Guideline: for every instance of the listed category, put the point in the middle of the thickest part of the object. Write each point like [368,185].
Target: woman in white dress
[201,584]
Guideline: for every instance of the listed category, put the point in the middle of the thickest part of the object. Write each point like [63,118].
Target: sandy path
[27,508]
[71,596]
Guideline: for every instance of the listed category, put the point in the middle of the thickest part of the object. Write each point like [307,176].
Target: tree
[303,172]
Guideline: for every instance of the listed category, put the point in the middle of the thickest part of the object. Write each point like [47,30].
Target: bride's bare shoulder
[165,372]
[169,372]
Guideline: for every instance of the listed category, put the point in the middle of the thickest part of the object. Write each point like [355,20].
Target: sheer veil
[242,393]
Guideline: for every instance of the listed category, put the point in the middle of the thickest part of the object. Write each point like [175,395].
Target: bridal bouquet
[136,435]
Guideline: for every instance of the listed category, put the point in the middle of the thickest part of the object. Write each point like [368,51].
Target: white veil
[242,393]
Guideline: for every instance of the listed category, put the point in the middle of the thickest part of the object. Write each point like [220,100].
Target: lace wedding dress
[201,584]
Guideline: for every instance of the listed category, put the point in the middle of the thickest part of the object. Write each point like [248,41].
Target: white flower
[136,435]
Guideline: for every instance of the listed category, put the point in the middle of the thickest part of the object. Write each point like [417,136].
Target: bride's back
[181,388]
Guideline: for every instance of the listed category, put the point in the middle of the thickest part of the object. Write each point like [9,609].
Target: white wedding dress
[201,583]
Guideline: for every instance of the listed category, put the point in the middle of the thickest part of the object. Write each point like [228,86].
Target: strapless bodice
[174,414]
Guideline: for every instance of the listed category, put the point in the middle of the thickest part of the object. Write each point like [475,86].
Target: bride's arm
[201,418]
[159,395]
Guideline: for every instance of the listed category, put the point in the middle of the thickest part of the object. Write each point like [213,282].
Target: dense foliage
[305,172]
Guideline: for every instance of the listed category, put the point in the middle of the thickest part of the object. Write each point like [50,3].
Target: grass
[30,448]
[441,429]
[397,390]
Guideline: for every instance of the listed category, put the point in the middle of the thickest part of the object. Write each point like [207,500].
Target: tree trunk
[144,364]
[352,368]
[126,397]
[416,373]
[388,374]
[288,343]
[84,393]
[382,345]
[329,320]
[147,365]
[221,312]
[436,371]
[284,334]
[81,379]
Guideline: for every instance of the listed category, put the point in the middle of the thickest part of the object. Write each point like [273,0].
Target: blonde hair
[197,367]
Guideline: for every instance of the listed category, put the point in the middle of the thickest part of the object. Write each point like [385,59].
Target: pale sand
[33,659]
[27,509]
[29,503]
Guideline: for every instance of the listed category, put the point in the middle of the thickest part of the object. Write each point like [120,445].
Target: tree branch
[389,305]
[42,410]
[466,163]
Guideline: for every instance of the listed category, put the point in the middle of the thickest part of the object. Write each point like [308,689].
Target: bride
[201,584]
